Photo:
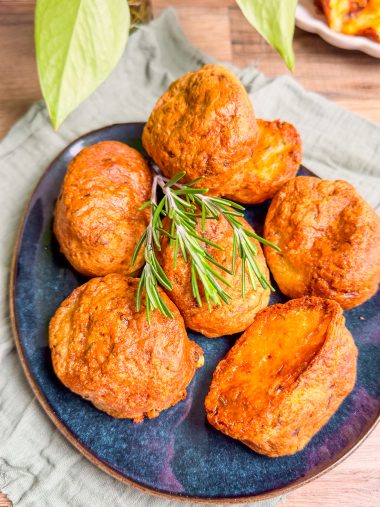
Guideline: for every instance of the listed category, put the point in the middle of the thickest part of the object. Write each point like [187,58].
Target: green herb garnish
[184,205]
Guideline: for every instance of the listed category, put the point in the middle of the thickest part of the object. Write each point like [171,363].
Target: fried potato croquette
[285,376]
[105,351]
[276,159]
[329,239]
[223,319]
[359,17]
[97,221]
[204,124]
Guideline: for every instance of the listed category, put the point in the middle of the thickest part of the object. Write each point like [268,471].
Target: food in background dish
[105,351]
[285,376]
[359,17]
[97,221]
[329,238]
[224,319]
[204,124]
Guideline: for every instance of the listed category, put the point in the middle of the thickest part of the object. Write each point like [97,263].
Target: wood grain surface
[217,27]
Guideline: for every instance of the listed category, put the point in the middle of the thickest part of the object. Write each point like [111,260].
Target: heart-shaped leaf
[274,20]
[78,43]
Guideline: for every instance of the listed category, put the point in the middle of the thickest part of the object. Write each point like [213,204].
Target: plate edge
[83,449]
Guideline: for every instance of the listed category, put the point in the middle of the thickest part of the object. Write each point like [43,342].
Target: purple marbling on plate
[177,454]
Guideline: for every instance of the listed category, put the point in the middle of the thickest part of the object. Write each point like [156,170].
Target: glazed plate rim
[61,426]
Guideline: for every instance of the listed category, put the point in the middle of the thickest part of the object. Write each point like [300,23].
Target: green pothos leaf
[78,43]
[274,20]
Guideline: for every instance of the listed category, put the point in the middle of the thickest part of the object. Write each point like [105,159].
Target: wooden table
[217,27]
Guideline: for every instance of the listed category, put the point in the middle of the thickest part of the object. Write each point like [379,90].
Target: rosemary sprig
[184,205]
[152,274]
[242,244]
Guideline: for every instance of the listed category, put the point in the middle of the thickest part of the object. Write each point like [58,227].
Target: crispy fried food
[276,159]
[97,221]
[329,239]
[365,22]
[204,124]
[224,319]
[337,11]
[285,376]
[105,351]
[359,17]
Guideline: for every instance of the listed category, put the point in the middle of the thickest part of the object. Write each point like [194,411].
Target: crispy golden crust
[203,124]
[365,22]
[329,239]
[97,221]
[276,159]
[337,11]
[224,319]
[353,17]
[105,351]
[285,376]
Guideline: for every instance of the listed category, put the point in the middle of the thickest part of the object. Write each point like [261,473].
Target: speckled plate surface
[178,454]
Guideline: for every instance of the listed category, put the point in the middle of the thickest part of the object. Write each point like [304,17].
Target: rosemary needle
[152,274]
[184,205]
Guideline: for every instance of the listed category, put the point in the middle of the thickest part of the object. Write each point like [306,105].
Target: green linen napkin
[38,467]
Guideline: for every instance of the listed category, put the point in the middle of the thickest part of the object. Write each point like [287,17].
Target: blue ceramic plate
[178,454]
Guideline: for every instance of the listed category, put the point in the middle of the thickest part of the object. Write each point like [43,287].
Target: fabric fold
[37,465]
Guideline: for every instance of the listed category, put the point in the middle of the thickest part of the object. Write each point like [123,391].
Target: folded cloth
[38,467]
